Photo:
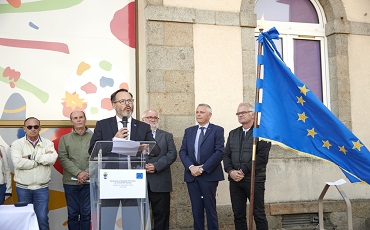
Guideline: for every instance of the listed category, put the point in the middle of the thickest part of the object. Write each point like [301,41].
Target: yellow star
[300,100]
[302,117]
[304,90]
[357,145]
[326,144]
[73,100]
[311,132]
[342,149]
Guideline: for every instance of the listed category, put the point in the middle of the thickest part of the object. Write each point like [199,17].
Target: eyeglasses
[123,101]
[243,113]
[29,127]
[150,118]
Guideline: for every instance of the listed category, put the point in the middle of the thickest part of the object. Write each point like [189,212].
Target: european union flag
[293,117]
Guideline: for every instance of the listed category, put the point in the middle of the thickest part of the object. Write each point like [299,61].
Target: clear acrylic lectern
[118,191]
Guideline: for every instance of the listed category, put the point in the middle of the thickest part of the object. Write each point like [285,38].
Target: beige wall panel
[217,5]
[218,78]
[359,70]
[303,179]
[358,11]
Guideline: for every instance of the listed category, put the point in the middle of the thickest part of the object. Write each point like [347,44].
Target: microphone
[124,122]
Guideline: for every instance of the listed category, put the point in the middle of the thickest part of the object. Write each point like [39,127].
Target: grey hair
[208,108]
[250,106]
[146,111]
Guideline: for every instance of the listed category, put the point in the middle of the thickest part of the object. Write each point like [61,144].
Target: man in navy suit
[201,155]
[106,130]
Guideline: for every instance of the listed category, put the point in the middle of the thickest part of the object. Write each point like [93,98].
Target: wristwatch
[201,169]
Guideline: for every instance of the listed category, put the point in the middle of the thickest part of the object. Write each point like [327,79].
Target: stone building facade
[192,52]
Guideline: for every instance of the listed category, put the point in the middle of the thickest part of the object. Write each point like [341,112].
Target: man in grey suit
[159,172]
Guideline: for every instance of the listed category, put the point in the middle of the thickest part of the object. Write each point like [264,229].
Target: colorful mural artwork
[62,56]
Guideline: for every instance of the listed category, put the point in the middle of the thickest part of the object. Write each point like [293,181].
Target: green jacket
[73,155]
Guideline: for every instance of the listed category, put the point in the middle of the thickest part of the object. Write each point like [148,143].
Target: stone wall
[170,88]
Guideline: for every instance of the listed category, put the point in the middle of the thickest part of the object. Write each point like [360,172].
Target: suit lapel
[133,129]
[113,123]
[208,131]
[158,135]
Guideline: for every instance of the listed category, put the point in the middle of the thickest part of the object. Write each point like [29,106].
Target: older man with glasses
[159,172]
[32,158]
[237,164]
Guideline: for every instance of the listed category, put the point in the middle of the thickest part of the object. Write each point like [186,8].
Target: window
[302,39]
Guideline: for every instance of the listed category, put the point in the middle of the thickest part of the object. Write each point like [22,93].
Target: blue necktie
[201,137]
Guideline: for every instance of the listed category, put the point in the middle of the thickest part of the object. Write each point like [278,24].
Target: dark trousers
[2,193]
[239,193]
[203,196]
[78,204]
[160,204]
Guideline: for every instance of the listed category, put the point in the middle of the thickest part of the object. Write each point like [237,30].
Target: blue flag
[294,118]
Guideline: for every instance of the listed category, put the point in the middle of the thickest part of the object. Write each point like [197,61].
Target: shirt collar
[205,126]
[34,142]
[86,131]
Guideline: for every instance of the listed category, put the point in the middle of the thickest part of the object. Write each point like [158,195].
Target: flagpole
[255,139]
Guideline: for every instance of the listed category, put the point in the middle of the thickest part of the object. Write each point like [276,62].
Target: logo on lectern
[139,176]
[105,175]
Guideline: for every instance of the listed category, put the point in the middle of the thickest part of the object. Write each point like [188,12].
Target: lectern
[118,187]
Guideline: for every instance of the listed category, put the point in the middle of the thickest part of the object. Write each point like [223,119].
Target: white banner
[122,183]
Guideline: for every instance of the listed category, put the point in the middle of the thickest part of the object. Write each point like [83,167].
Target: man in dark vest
[237,164]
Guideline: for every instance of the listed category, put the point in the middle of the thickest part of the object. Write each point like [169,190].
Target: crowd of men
[202,151]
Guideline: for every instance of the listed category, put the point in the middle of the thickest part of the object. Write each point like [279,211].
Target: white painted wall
[218,78]
[358,10]
[359,70]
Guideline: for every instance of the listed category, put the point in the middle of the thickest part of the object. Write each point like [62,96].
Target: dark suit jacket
[161,180]
[211,153]
[107,128]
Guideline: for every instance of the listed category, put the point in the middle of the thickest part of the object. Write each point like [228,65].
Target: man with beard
[123,103]
[159,172]
[109,128]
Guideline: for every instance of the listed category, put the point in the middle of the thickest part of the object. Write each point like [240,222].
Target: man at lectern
[106,129]
[122,125]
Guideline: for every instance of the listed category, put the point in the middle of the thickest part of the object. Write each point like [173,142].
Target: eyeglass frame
[243,113]
[125,101]
[30,127]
